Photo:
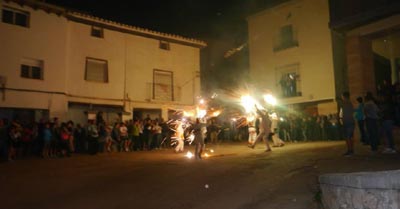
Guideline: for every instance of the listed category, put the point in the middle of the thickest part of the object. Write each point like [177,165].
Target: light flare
[188,113]
[248,103]
[189,155]
[269,99]
[216,113]
[201,112]
[250,118]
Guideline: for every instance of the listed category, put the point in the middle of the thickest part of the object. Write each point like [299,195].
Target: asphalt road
[233,177]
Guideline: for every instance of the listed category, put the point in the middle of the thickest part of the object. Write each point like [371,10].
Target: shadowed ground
[236,176]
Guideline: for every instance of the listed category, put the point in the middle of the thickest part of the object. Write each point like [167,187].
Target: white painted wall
[63,45]
[45,39]
[314,54]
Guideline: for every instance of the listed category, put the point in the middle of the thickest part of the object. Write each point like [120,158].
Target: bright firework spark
[189,155]
[216,113]
[248,103]
[250,118]
[201,113]
[188,113]
[269,99]
[190,138]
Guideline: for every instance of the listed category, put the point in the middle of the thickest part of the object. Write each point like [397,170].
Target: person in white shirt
[179,136]
[274,127]
[252,133]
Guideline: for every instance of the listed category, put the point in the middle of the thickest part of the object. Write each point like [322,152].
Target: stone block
[363,190]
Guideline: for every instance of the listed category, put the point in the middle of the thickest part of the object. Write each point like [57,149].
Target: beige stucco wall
[45,39]
[309,19]
[64,45]
[83,45]
[143,56]
[133,56]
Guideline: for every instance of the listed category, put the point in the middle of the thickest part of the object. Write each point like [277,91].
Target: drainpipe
[125,63]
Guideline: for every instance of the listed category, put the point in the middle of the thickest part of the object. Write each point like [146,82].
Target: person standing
[136,135]
[157,134]
[147,135]
[115,135]
[388,118]
[265,130]
[80,139]
[93,134]
[274,131]
[65,136]
[123,131]
[252,133]
[371,111]
[347,120]
[108,139]
[213,130]
[179,136]
[360,117]
[199,132]
[47,136]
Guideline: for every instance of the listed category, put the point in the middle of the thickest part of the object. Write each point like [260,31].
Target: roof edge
[112,25]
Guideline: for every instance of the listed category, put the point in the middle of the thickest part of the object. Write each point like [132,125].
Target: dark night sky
[221,23]
[202,19]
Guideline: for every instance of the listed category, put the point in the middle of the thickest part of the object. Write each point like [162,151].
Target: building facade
[65,64]
[368,43]
[290,47]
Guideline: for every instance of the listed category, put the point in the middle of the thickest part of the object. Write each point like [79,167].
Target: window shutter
[96,70]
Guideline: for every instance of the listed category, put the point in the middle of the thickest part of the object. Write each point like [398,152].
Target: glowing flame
[190,138]
[250,118]
[248,103]
[206,155]
[216,113]
[201,113]
[188,114]
[212,151]
[268,98]
[189,155]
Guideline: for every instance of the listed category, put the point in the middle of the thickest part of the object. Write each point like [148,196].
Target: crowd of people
[50,139]
[375,119]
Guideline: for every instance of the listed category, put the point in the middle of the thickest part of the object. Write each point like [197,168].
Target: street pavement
[232,177]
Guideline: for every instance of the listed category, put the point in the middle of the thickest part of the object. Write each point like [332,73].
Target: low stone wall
[366,190]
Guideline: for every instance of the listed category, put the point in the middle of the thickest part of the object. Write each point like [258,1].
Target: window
[163,85]
[32,68]
[96,70]
[288,78]
[15,17]
[164,45]
[97,32]
[286,38]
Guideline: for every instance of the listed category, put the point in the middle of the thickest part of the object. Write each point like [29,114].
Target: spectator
[371,111]
[388,117]
[93,135]
[347,120]
[47,137]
